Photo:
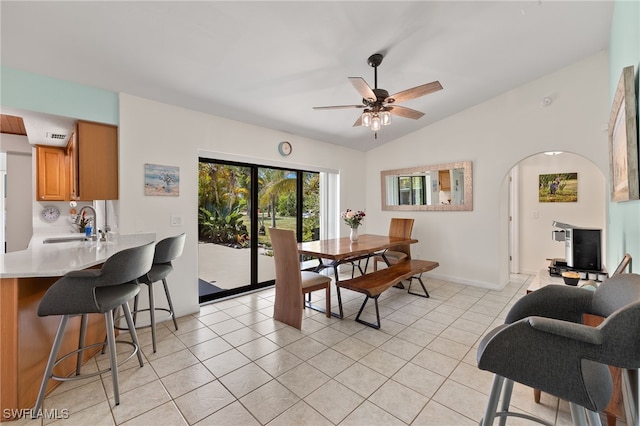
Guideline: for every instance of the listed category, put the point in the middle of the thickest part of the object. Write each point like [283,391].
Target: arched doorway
[531,216]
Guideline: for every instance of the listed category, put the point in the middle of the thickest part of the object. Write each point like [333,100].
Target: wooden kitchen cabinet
[85,170]
[93,162]
[51,174]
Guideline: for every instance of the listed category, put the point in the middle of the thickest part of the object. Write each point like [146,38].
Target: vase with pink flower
[354,220]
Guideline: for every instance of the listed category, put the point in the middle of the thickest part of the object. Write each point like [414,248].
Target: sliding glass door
[238,204]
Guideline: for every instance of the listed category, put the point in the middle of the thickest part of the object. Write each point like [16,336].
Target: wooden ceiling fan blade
[414,92]
[358,122]
[363,88]
[405,112]
[339,107]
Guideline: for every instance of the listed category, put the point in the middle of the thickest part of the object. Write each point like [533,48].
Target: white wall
[535,217]
[18,225]
[472,247]
[152,132]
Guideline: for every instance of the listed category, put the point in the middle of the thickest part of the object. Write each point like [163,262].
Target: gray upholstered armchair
[544,345]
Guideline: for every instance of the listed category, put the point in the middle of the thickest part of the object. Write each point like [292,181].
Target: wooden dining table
[342,250]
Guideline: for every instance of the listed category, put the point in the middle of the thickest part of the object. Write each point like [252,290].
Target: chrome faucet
[95,220]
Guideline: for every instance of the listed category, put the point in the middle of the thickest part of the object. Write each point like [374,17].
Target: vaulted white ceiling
[269,62]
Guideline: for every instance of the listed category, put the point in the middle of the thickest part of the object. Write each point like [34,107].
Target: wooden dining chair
[399,227]
[291,283]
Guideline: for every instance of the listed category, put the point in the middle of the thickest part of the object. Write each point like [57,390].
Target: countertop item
[56,259]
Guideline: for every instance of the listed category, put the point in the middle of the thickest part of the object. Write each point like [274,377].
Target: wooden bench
[374,284]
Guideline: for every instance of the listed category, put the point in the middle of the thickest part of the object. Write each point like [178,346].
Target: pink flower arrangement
[353,218]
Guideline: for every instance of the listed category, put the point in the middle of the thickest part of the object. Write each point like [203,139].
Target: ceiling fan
[378,105]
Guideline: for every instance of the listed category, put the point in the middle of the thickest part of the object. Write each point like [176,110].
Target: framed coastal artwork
[623,140]
[558,188]
[161,180]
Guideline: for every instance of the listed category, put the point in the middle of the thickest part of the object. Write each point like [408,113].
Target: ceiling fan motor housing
[381,96]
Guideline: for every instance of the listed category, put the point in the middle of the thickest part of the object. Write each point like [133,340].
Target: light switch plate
[176,220]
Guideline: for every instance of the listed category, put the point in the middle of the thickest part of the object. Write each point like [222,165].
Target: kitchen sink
[65,239]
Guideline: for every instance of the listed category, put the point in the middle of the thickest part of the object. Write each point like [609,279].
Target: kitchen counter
[56,259]
[26,338]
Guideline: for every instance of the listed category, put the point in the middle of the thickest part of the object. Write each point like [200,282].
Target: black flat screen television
[584,249]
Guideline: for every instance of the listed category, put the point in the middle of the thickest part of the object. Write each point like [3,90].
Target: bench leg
[370,324]
[419,278]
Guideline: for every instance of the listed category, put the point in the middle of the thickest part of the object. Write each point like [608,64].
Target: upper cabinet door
[51,174]
[96,147]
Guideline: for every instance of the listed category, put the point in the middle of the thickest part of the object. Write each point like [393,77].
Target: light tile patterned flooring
[232,364]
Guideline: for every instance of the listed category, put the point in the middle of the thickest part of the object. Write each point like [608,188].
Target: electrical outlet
[176,220]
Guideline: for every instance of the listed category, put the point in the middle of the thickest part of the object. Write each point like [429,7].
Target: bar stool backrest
[169,249]
[127,265]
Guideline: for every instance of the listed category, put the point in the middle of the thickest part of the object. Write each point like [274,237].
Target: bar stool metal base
[80,376]
[144,325]
[152,311]
[53,359]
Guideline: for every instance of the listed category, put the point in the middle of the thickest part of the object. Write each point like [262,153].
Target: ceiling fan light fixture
[366,119]
[386,118]
[375,123]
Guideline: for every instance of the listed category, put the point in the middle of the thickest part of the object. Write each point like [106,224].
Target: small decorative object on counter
[83,222]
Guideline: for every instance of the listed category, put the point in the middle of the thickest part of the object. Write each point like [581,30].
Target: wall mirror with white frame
[439,187]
